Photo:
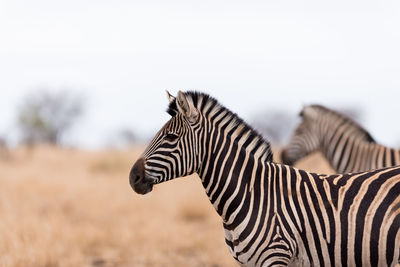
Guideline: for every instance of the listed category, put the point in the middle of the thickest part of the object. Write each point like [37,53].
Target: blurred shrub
[44,116]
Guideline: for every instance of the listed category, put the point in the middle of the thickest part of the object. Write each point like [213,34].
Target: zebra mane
[202,100]
[366,135]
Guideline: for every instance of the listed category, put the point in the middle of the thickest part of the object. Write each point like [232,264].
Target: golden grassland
[66,207]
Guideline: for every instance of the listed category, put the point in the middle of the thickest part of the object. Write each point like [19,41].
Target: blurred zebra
[345,144]
[273,214]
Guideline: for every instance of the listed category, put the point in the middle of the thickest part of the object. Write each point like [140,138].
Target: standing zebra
[347,146]
[273,214]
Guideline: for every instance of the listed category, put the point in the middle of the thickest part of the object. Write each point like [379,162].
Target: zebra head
[306,137]
[173,152]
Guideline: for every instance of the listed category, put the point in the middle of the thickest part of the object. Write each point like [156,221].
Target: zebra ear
[171,98]
[301,114]
[186,107]
[309,112]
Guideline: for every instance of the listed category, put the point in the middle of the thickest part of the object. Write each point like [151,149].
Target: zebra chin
[138,180]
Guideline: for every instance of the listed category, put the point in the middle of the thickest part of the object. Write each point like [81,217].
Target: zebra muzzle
[137,178]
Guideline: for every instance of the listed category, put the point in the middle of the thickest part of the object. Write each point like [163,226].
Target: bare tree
[45,116]
[122,138]
[128,136]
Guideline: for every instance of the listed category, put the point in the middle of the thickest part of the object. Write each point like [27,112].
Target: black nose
[136,176]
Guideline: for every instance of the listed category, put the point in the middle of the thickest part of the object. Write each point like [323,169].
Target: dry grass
[61,207]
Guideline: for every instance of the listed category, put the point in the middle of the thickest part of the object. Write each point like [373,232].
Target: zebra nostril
[138,168]
[137,179]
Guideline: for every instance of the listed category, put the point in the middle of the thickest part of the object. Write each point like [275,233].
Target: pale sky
[250,55]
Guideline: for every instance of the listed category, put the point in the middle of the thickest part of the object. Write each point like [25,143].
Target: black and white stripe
[345,144]
[273,214]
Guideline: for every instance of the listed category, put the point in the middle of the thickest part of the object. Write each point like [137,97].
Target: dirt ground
[66,207]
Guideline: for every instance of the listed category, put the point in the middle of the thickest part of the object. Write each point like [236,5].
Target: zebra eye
[171,137]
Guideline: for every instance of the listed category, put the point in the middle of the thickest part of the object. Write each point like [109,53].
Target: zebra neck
[343,150]
[228,175]
[229,153]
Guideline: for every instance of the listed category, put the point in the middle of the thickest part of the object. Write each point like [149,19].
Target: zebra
[344,143]
[273,214]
